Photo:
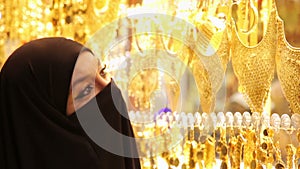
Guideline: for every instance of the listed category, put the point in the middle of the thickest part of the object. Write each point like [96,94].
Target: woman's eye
[86,91]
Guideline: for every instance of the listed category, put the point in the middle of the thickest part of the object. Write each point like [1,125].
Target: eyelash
[86,91]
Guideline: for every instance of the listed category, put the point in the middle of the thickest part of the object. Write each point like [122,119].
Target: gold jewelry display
[26,20]
[210,63]
[277,152]
[290,155]
[236,151]
[288,69]
[100,7]
[245,13]
[248,147]
[237,140]
[209,155]
[222,147]
[254,65]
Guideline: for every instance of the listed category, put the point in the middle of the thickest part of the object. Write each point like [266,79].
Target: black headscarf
[35,132]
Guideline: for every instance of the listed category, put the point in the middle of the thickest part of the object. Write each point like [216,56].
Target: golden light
[23,21]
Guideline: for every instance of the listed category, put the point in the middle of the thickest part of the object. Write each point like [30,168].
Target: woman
[44,84]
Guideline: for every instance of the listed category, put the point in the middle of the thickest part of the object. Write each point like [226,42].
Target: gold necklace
[254,66]
[288,68]
[209,69]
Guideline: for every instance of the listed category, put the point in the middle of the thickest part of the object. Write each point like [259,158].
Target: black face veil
[35,132]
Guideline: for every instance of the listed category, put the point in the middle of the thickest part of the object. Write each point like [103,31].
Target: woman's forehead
[86,64]
[88,58]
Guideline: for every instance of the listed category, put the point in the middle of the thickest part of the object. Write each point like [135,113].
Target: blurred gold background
[25,20]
